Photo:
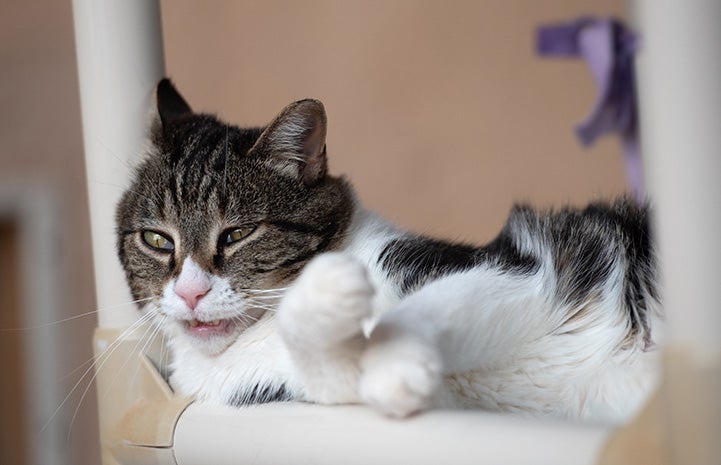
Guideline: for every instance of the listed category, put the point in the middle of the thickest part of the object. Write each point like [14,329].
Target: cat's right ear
[294,143]
[171,106]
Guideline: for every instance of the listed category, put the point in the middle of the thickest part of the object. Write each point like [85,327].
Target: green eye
[158,241]
[234,235]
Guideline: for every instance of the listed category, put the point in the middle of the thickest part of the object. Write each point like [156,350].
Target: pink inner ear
[192,284]
[314,151]
[313,145]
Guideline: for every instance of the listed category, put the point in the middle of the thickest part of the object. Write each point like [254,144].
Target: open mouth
[207,328]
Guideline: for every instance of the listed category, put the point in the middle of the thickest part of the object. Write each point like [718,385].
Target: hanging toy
[608,47]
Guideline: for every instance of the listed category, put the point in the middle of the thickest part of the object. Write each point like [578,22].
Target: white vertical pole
[120,59]
[679,70]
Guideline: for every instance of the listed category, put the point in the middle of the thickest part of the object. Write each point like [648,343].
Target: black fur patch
[586,246]
[260,395]
[415,261]
[504,254]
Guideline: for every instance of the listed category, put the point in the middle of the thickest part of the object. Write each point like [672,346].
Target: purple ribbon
[608,47]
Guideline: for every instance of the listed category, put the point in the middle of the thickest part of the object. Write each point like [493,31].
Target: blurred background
[439,112]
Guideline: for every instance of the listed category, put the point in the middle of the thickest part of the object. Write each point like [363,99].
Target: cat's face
[216,216]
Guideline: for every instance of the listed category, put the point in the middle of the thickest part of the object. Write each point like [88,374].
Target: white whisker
[156,326]
[270,305]
[225,167]
[245,319]
[162,362]
[90,383]
[248,317]
[81,315]
[121,188]
[238,319]
[263,306]
[261,291]
[106,353]
[142,338]
[266,297]
[76,369]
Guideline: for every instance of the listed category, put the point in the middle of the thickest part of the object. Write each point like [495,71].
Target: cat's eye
[231,236]
[158,241]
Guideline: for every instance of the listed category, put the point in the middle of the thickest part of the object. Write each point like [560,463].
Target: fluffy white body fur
[470,339]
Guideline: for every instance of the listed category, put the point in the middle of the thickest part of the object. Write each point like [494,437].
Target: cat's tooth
[193,323]
[215,322]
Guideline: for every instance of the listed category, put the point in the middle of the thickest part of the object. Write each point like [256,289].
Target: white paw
[399,377]
[327,303]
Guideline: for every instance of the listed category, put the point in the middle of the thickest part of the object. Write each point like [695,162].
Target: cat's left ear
[171,105]
[295,141]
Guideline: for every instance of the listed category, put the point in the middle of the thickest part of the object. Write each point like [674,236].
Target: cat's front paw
[400,374]
[327,304]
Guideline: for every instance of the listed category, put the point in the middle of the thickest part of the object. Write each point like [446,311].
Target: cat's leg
[401,369]
[461,322]
[320,320]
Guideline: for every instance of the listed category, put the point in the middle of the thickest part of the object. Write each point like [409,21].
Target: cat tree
[120,58]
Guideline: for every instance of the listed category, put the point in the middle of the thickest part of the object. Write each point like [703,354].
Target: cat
[272,283]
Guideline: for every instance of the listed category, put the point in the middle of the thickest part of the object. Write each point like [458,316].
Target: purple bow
[608,48]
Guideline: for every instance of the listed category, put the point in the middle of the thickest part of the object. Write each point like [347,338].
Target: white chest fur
[257,358]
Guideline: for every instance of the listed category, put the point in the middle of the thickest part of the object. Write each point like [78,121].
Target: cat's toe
[328,302]
[400,381]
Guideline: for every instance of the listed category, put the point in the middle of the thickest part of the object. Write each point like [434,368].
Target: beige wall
[439,112]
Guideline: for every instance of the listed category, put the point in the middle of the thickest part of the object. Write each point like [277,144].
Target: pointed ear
[294,143]
[171,105]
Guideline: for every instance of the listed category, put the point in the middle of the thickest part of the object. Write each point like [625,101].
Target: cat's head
[216,216]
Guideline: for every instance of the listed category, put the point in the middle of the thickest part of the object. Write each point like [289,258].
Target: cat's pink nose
[192,284]
[192,292]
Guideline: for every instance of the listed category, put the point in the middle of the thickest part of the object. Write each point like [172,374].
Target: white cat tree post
[679,76]
[120,59]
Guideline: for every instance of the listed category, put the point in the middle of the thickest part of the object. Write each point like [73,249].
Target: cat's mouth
[208,328]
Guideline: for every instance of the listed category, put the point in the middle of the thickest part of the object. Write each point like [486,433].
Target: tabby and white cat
[272,283]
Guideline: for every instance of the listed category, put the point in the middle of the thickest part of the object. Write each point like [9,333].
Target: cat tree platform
[147,423]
